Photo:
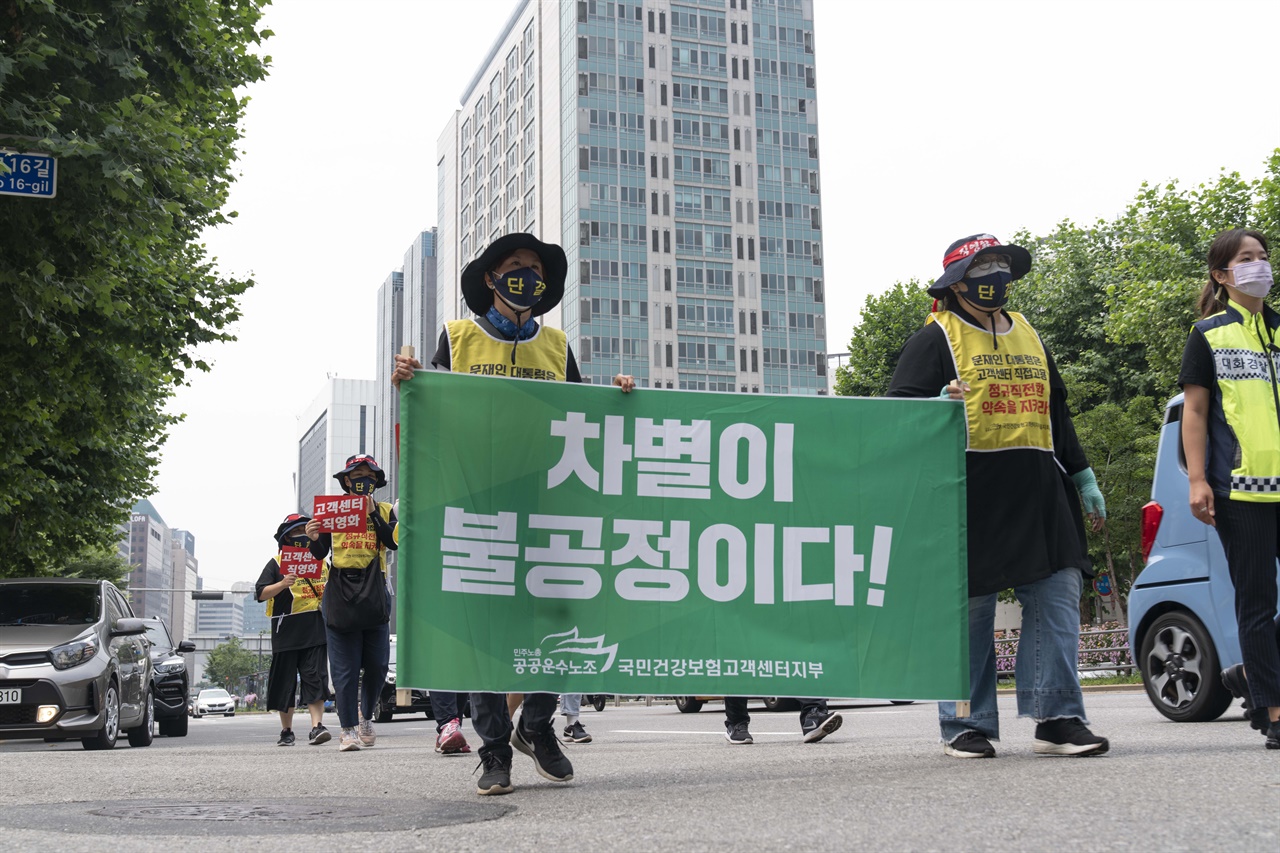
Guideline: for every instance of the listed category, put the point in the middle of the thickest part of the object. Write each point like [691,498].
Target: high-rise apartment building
[671,147]
[186,579]
[390,338]
[421,314]
[151,579]
[340,422]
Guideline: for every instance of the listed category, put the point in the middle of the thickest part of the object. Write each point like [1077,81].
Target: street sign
[30,175]
[1102,585]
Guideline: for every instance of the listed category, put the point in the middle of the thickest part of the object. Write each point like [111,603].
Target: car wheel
[229,714]
[145,731]
[382,711]
[688,704]
[902,701]
[176,727]
[599,702]
[105,737]
[773,703]
[1180,670]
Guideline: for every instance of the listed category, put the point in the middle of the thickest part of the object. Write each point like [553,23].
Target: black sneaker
[544,749]
[737,734]
[286,738]
[817,726]
[1068,737]
[576,733]
[496,778]
[1273,736]
[970,745]
[318,736]
[1233,679]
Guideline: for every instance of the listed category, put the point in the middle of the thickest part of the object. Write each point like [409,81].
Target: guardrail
[1102,650]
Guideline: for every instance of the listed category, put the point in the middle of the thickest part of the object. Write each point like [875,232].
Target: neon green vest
[473,350]
[1247,397]
[1007,407]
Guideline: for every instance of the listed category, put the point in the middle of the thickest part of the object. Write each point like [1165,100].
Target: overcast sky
[936,120]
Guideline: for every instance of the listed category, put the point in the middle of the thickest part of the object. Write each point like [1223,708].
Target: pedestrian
[515,280]
[816,721]
[1024,467]
[446,708]
[357,608]
[1231,436]
[571,707]
[298,650]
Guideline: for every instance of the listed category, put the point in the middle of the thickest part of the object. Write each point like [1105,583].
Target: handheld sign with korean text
[341,513]
[301,562]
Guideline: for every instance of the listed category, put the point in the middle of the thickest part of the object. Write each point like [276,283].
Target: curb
[1089,688]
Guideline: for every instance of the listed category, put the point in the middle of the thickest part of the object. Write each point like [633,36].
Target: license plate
[10,696]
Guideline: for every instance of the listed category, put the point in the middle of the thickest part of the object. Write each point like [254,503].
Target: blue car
[1182,622]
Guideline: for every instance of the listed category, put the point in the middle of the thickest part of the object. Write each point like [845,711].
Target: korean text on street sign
[31,175]
[570,538]
[341,513]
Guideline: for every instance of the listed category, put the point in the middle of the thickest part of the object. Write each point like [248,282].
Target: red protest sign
[301,562]
[341,513]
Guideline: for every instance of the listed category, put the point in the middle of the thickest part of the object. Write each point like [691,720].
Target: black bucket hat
[555,267]
[962,252]
[361,459]
[290,521]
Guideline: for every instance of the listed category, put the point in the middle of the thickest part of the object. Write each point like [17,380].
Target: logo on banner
[571,653]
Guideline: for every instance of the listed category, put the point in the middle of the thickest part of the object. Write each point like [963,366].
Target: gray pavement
[656,779]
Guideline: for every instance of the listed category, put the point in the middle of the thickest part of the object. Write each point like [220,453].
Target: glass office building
[672,149]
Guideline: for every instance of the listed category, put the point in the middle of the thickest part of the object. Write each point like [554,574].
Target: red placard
[341,513]
[301,561]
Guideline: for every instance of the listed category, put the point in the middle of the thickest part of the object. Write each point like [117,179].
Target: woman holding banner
[1025,528]
[517,278]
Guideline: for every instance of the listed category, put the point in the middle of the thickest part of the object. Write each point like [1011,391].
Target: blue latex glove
[1087,485]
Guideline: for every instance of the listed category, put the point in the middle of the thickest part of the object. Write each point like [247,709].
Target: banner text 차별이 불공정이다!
[570,538]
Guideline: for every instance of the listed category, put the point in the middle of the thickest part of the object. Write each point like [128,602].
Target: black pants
[492,722]
[1250,534]
[288,668]
[735,709]
[445,707]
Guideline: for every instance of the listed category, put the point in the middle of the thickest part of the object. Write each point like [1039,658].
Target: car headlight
[391,676]
[171,665]
[73,653]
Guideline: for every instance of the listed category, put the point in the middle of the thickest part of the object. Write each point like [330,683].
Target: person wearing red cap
[357,606]
[298,650]
[517,278]
[1024,467]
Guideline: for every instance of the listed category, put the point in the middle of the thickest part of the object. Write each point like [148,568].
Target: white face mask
[1253,278]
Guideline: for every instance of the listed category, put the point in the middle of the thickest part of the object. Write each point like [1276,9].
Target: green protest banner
[571,538]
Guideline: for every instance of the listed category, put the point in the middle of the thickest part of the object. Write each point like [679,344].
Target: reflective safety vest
[474,350]
[305,591]
[1007,407]
[361,550]
[1244,421]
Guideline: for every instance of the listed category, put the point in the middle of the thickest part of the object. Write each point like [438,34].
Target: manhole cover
[249,817]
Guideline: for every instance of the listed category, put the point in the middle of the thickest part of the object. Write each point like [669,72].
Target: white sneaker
[367,736]
[349,741]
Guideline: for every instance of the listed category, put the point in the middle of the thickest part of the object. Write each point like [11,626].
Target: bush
[1104,646]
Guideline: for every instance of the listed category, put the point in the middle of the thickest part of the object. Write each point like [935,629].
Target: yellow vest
[306,596]
[1007,407]
[359,550]
[473,350]
[1246,394]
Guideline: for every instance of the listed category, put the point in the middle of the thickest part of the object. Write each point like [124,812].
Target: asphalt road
[656,779]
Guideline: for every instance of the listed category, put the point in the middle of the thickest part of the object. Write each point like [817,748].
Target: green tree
[229,662]
[105,290]
[888,320]
[106,566]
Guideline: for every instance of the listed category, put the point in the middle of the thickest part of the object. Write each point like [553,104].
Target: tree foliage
[229,662]
[1113,303]
[105,290]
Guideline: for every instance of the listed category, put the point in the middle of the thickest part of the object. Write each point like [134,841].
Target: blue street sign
[31,175]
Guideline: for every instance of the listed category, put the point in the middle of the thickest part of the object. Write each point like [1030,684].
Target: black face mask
[363,485]
[989,292]
[298,541]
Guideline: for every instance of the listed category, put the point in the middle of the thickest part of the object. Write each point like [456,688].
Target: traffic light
[212,595]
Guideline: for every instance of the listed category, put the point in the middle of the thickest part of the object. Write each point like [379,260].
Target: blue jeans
[1048,654]
[571,705]
[349,651]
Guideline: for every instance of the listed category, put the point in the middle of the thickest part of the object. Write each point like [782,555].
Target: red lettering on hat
[970,248]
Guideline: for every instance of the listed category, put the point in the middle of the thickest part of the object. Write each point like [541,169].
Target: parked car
[419,700]
[214,700]
[74,662]
[169,682]
[1182,622]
